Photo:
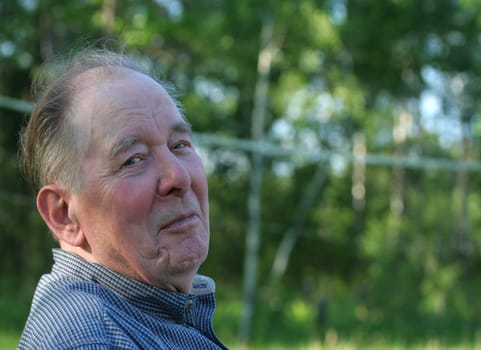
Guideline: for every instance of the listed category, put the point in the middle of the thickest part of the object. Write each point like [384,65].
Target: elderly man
[122,189]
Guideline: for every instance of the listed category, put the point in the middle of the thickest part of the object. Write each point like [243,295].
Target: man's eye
[132,161]
[181,145]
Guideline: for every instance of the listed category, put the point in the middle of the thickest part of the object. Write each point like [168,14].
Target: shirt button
[189,303]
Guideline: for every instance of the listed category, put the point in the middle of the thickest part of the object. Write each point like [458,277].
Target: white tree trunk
[268,50]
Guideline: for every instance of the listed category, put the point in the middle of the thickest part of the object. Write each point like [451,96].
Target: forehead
[114,106]
[116,85]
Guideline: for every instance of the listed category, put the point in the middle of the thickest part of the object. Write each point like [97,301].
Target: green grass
[293,326]
[9,339]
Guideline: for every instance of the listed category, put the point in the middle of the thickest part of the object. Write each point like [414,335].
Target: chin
[190,265]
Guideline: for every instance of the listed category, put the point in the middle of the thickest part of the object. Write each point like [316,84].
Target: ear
[53,205]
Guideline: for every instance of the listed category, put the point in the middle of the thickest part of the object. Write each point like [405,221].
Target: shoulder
[67,297]
[66,313]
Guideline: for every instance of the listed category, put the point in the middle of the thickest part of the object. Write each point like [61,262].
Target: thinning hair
[50,144]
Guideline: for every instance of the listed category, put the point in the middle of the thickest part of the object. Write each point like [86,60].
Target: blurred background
[341,140]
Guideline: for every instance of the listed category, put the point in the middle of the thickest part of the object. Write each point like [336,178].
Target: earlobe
[53,206]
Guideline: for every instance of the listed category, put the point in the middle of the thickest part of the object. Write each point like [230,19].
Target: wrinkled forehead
[104,98]
[102,83]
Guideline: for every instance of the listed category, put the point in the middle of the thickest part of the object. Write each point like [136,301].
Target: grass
[292,325]
[9,339]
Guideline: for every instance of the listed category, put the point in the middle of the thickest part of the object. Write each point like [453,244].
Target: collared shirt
[81,305]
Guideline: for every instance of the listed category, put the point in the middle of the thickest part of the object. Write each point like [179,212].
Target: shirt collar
[151,299]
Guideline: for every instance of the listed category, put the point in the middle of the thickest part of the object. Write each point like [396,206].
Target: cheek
[199,183]
[129,198]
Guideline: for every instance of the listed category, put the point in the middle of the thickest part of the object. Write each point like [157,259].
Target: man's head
[119,181]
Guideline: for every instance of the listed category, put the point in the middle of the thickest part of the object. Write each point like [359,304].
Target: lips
[180,220]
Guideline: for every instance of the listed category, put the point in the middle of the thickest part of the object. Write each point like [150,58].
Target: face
[143,202]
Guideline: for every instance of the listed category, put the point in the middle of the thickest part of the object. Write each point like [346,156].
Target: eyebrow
[122,146]
[182,127]
[127,142]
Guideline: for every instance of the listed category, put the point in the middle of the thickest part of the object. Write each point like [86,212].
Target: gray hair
[50,144]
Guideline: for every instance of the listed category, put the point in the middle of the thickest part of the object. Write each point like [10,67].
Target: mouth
[180,221]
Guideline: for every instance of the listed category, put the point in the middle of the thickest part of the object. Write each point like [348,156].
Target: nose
[174,179]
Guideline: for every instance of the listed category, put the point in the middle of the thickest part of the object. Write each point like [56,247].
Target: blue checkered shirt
[81,305]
